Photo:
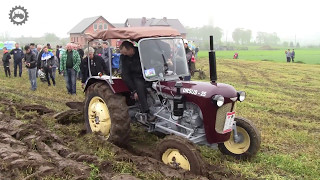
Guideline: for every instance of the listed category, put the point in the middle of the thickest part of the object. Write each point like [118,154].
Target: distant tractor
[188,112]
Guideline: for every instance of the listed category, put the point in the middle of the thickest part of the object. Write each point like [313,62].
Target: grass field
[306,56]
[282,100]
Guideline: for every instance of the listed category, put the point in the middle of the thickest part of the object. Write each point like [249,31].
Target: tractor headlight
[218,100]
[241,95]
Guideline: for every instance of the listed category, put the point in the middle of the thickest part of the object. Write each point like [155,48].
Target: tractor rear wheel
[249,140]
[179,153]
[107,113]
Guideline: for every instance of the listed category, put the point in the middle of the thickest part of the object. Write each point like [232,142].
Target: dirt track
[29,150]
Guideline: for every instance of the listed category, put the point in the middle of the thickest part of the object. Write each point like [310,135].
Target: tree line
[46,38]
[240,36]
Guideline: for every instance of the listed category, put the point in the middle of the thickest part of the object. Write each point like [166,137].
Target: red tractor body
[200,112]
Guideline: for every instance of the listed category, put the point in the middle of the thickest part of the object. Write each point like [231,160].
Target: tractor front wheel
[107,113]
[248,142]
[179,152]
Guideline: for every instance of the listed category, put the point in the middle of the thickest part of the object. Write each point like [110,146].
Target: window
[163,58]
[105,26]
[100,26]
[95,26]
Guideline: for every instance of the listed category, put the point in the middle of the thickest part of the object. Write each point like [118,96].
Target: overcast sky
[288,18]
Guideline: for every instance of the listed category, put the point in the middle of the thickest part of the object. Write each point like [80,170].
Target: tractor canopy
[134,33]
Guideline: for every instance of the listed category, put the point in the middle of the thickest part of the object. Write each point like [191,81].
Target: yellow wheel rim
[242,146]
[99,117]
[175,159]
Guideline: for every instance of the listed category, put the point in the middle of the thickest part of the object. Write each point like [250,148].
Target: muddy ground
[33,145]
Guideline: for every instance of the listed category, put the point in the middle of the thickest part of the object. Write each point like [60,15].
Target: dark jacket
[131,69]
[35,51]
[81,53]
[189,56]
[5,59]
[97,66]
[58,53]
[39,59]
[105,54]
[17,54]
[47,60]
[98,51]
[30,58]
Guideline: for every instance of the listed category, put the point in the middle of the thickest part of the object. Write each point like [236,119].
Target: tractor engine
[191,116]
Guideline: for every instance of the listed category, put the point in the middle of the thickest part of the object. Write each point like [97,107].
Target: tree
[285,44]
[236,35]
[291,44]
[298,45]
[241,35]
[51,37]
[246,36]
[267,38]
[201,35]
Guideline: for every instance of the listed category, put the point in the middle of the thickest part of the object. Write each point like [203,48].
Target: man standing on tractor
[105,54]
[97,66]
[133,77]
[69,66]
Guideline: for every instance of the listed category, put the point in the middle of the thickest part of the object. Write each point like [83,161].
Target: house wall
[77,38]
[80,38]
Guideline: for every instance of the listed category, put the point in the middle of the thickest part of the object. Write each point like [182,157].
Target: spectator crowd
[71,62]
[46,62]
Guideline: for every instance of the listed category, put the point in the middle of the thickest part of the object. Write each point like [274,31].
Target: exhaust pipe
[212,62]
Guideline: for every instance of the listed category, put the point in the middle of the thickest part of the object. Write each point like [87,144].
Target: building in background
[144,22]
[98,23]
[89,25]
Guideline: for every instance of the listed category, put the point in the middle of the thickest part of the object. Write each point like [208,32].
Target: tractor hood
[201,89]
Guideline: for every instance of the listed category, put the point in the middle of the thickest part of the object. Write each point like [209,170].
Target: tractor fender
[118,85]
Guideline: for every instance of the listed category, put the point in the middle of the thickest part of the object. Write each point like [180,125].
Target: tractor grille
[221,116]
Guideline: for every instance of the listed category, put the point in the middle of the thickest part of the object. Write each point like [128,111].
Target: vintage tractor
[188,112]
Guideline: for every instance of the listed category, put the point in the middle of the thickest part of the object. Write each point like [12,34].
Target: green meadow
[303,55]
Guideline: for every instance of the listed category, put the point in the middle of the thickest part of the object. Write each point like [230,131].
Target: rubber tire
[255,140]
[118,110]
[186,148]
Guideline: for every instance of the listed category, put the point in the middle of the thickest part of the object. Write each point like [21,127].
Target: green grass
[282,101]
[306,56]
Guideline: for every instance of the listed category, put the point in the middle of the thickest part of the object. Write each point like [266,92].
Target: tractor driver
[131,73]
